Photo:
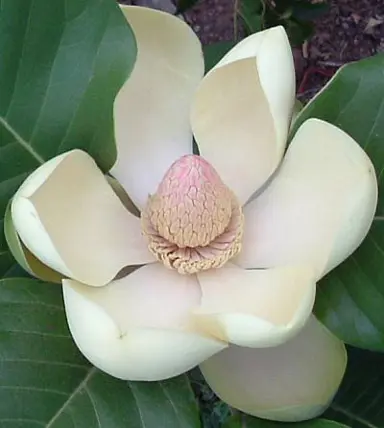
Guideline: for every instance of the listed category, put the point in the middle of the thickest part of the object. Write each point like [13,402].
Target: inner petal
[153,106]
[193,222]
[69,217]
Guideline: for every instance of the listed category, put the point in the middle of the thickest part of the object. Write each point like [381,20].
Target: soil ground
[351,30]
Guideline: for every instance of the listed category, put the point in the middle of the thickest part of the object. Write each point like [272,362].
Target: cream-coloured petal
[69,217]
[23,256]
[291,382]
[255,308]
[151,111]
[242,110]
[123,195]
[138,327]
[318,208]
[276,73]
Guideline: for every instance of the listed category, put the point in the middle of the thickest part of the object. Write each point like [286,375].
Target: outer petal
[138,327]
[23,256]
[256,308]
[151,111]
[319,207]
[291,382]
[68,216]
[242,110]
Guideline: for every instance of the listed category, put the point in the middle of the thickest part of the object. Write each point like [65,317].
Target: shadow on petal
[138,327]
[291,382]
[255,308]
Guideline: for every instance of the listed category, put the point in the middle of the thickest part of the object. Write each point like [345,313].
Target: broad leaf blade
[214,52]
[251,12]
[102,401]
[168,403]
[62,63]
[350,299]
[359,402]
[46,382]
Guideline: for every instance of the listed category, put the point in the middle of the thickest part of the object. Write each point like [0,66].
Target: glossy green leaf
[252,12]
[243,421]
[360,400]
[62,63]
[6,259]
[214,52]
[298,31]
[297,107]
[45,382]
[350,300]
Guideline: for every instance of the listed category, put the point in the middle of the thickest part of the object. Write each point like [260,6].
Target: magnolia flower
[216,260]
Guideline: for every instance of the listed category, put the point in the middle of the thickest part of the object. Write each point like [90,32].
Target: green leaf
[307,11]
[251,12]
[350,299]
[183,5]
[46,382]
[243,421]
[359,402]
[214,52]
[298,31]
[297,107]
[62,63]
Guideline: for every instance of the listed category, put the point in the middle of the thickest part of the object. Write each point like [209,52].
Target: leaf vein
[33,388]
[23,143]
[177,413]
[53,363]
[71,397]
[17,75]
[39,333]
[351,415]
[86,389]
[132,387]
[22,420]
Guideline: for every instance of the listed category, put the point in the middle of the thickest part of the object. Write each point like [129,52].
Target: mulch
[351,30]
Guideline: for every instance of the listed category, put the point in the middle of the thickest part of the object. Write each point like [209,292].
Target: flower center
[194,221]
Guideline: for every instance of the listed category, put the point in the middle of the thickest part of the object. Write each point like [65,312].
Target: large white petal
[318,209]
[255,308]
[69,217]
[151,111]
[242,110]
[138,327]
[291,382]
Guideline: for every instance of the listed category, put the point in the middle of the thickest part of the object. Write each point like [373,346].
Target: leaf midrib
[82,385]
[352,416]
[20,140]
